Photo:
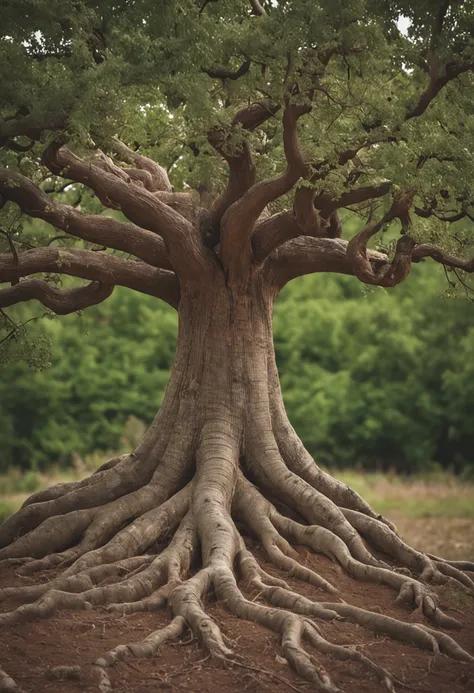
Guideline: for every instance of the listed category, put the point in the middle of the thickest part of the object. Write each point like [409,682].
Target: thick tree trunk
[220,454]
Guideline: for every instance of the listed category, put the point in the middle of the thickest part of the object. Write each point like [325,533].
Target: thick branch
[439,255]
[141,206]
[328,205]
[257,8]
[59,301]
[100,267]
[239,159]
[223,73]
[239,220]
[158,175]
[30,125]
[307,255]
[276,230]
[94,228]
[272,232]
[452,70]
[395,271]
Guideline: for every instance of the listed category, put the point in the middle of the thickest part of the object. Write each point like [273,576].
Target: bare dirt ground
[78,638]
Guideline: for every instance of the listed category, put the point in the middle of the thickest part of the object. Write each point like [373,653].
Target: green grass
[438,495]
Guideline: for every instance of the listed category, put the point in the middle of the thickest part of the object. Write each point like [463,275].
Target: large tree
[269,118]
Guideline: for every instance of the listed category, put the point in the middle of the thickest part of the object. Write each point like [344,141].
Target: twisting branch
[94,228]
[100,267]
[436,84]
[439,255]
[158,176]
[272,232]
[306,255]
[327,205]
[223,73]
[395,271]
[61,302]
[31,126]
[239,159]
[307,217]
[188,257]
[239,220]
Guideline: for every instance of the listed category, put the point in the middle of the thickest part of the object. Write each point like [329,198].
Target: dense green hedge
[372,379]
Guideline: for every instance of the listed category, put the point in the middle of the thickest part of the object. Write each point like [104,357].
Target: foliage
[378,380]
[107,363]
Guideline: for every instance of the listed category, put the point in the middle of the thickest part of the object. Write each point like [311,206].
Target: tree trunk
[220,455]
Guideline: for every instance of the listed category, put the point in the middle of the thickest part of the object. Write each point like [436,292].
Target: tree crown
[272,116]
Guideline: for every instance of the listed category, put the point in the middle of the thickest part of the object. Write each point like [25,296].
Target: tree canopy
[384,90]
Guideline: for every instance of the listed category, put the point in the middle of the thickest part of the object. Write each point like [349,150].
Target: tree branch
[239,220]
[100,267]
[94,228]
[307,255]
[394,272]
[257,8]
[272,232]
[328,205]
[157,174]
[187,254]
[223,73]
[436,84]
[61,302]
[31,126]
[239,159]
[445,258]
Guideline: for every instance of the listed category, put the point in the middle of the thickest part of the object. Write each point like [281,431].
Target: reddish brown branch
[59,301]
[328,205]
[100,267]
[239,159]
[239,220]
[306,255]
[158,176]
[436,84]
[312,216]
[394,272]
[272,232]
[94,228]
[439,255]
[188,257]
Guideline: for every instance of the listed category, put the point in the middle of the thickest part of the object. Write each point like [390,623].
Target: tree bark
[220,451]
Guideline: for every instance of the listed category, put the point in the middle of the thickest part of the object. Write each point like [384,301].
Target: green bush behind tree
[374,379]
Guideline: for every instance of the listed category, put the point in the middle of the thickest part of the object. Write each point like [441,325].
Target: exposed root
[62,489]
[7,684]
[254,511]
[106,557]
[299,461]
[145,648]
[124,478]
[460,565]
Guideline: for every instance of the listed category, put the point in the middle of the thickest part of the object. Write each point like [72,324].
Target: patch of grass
[460,599]
[7,508]
[17,481]
[437,495]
